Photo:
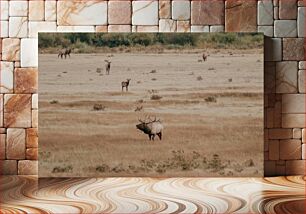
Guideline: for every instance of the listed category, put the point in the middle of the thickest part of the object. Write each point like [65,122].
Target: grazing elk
[64,52]
[204,56]
[125,84]
[107,67]
[151,128]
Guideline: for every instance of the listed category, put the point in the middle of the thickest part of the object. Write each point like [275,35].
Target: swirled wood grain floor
[139,195]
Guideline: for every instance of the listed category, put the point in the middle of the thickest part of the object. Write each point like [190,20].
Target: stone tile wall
[282,21]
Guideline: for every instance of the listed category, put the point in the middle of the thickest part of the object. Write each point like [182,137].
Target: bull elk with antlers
[151,128]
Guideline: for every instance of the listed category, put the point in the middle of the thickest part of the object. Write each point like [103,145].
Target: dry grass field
[212,114]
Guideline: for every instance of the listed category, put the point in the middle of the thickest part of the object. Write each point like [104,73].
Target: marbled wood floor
[138,195]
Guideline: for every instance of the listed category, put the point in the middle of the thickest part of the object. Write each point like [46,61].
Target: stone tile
[294,49]
[287,9]
[301,21]
[4,29]
[269,77]
[280,134]
[275,13]
[18,8]
[241,16]
[25,80]
[17,110]
[280,170]
[50,10]
[10,49]
[29,52]
[297,133]
[17,64]
[199,28]
[285,28]
[303,151]
[34,118]
[216,28]
[37,10]
[286,77]
[36,26]
[277,114]
[2,146]
[101,28]
[34,101]
[8,167]
[119,28]
[183,26]
[4,9]
[31,138]
[90,12]
[1,110]
[31,154]
[67,29]
[301,81]
[164,9]
[302,65]
[295,167]
[301,3]
[18,27]
[145,13]
[6,77]
[303,135]
[269,168]
[273,150]
[207,12]
[140,28]
[15,144]
[266,30]
[265,12]
[167,25]
[180,10]
[273,49]
[269,118]
[119,12]
[134,29]
[275,3]
[293,103]
[293,120]
[27,167]
[290,149]
[2,130]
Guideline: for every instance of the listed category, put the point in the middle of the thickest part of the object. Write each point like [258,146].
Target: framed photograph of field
[151,104]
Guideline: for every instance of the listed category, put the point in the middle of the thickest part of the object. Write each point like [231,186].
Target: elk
[64,52]
[107,67]
[151,128]
[125,84]
[204,56]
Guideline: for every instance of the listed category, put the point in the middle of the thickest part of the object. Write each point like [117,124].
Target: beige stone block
[266,30]
[6,77]
[4,10]
[145,13]
[146,29]
[26,80]
[27,167]
[11,49]
[285,28]
[50,10]
[180,10]
[183,26]
[164,9]
[1,110]
[294,49]
[32,154]
[287,9]
[17,110]
[293,103]
[119,28]
[71,29]
[293,120]
[34,101]
[303,151]
[8,167]
[15,144]
[34,118]
[29,52]
[119,12]
[297,133]
[290,149]
[304,135]
[277,114]
[18,27]
[2,130]
[37,10]
[167,25]
[286,77]
[295,167]
[216,28]
[301,81]
[101,28]
[31,138]
[2,146]
[273,150]
[4,29]
[265,12]
[280,133]
[207,12]
[199,28]
[18,8]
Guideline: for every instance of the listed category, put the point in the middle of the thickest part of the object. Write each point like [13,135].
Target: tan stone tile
[1,110]
[183,26]
[280,170]
[18,8]
[303,151]
[4,10]
[286,77]
[145,12]
[240,16]
[119,12]
[295,167]
[8,167]
[36,10]
[290,149]
[119,28]
[27,167]
[180,10]
[287,9]
[293,120]
[50,10]
[35,101]
[273,150]
[280,133]
[31,154]
[294,49]
[101,28]
[304,135]
[6,77]
[278,114]
[31,138]
[164,9]
[293,103]
[167,25]
[4,29]
[297,133]
[207,12]
[11,49]
[2,130]
[26,80]
[140,28]
[15,144]
[17,110]
[301,81]
[18,27]
[2,146]
[34,118]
